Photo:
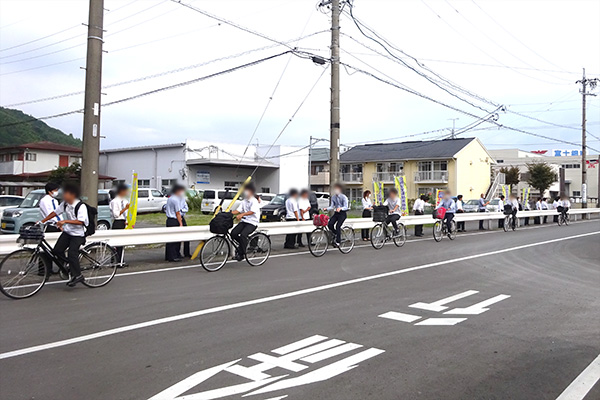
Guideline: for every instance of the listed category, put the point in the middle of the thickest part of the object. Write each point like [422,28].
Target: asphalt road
[184,333]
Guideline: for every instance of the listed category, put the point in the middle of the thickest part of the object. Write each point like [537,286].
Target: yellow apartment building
[461,165]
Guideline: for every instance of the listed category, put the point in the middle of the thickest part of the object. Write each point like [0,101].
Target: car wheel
[282,218]
[102,226]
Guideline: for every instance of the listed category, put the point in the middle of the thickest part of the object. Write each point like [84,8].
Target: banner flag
[400,182]
[378,193]
[439,195]
[525,197]
[133,203]
[506,190]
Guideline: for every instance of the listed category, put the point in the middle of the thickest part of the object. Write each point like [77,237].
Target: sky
[523,55]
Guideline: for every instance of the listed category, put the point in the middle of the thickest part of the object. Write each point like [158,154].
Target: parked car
[212,198]
[150,200]
[322,199]
[28,212]
[265,198]
[275,210]
[493,206]
[9,201]
[471,206]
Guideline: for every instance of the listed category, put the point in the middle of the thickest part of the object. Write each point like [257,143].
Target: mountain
[14,133]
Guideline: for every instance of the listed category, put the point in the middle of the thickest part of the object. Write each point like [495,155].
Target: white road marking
[336,351]
[213,310]
[299,344]
[398,316]
[478,308]
[581,386]
[441,321]
[439,305]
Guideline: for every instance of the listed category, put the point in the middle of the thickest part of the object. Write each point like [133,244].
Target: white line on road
[478,308]
[441,321]
[580,387]
[398,316]
[440,305]
[127,328]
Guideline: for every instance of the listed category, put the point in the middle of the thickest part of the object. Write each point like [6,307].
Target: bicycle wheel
[514,221]
[378,236]
[214,253]
[566,220]
[22,274]
[98,262]
[347,242]
[560,220]
[258,250]
[319,242]
[452,233]
[400,238]
[437,231]
[506,222]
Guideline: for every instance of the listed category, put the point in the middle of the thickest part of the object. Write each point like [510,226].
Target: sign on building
[203,177]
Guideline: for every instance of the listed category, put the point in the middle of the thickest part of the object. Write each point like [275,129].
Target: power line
[37,40]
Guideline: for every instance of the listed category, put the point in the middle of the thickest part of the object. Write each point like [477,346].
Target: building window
[433,165]
[30,157]
[571,166]
[168,182]
[14,156]
[3,157]
[354,195]
[576,193]
[500,161]
[118,182]
[232,185]
[144,183]
[265,190]
[74,159]
[316,169]
[390,167]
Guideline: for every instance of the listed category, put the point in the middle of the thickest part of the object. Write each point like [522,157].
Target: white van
[211,199]
[150,200]
[322,199]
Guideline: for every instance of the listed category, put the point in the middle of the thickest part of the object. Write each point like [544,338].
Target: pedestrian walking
[119,207]
[292,213]
[419,209]
[175,209]
[367,206]
[460,226]
[482,208]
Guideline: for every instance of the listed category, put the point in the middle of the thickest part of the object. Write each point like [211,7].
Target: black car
[275,210]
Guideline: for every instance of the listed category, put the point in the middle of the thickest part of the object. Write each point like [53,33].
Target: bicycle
[217,249]
[510,222]
[24,272]
[563,218]
[322,237]
[382,232]
[440,229]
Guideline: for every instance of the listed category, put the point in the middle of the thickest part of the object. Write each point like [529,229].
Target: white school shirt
[291,205]
[459,205]
[69,211]
[393,203]
[248,205]
[544,205]
[500,205]
[565,203]
[538,205]
[366,203]
[304,204]
[514,203]
[48,205]
[419,205]
[116,205]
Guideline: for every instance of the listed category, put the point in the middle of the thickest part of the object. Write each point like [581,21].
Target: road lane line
[398,316]
[581,386]
[440,305]
[478,308]
[213,310]
[441,321]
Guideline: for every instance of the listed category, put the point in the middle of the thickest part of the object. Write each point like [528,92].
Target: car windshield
[32,200]
[278,200]
[495,202]
[473,202]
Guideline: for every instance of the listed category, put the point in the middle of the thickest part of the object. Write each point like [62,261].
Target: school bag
[508,209]
[321,220]
[380,213]
[221,223]
[92,212]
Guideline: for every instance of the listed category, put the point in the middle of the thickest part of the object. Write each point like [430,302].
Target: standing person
[450,206]
[118,209]
[526,207]
[545,207]
[501,209]
[339,206]
[48,204]
[73,230]
[538,207]
[419,209]
[460,226]
[292,213]
[393,205]
[304,211]
[175,217]
[247,213]
[555,205]
[482,208]
[367,207]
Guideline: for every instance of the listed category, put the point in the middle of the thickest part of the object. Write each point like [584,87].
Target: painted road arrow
[478,308]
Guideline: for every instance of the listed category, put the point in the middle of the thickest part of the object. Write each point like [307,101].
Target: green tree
[72,173]
[512,176]
[541,176]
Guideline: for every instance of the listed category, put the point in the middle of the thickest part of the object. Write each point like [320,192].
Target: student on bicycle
[514,203]
[450,206]
[565,203]
[247,213]
[339,206]
[73,230]
[393,205]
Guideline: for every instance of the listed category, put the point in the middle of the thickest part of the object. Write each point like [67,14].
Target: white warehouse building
[203,165]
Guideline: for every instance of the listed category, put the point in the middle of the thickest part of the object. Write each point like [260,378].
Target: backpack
[221,223]
[92,212]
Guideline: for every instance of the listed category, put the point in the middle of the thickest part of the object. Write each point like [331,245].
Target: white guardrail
[161,235]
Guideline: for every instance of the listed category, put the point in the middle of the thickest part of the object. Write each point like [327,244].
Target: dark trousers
[545,219]
[292,238]
[119,224]
[72,243]
[514,220]
[392,219]
[536,220]
[460,226]
[526,220]
[173,250]
[419,228]
[44,256]
[501,223]
[555,218]
[240,234]
[448,219]
[335,224]
[365,232]
[481,221]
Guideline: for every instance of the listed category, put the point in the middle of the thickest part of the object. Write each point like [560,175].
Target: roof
[46,174]
[319,154]
[136,148]
[419,150]
[232,163]
[50,146]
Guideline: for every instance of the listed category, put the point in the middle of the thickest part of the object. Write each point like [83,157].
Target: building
[569,160]
[203,165]
[460,165]
[319,169]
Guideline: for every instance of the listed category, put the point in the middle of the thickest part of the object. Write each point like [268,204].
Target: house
[204,165]
[460,165]
[319,169]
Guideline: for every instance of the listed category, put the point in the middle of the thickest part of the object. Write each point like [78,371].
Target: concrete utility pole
[453,125]
[584,83]
[91,111]
[334,164]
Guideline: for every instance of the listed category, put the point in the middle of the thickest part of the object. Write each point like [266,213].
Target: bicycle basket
[560,209]
[508,209]
[321,220]
[221,223]
[380,213]
[30,235]
[439,213]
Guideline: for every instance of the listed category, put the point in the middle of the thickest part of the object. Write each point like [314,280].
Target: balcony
[431,177]
[320,178]
[351,177]
[14,167]
[386,177]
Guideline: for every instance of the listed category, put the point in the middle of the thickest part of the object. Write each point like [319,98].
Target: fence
[161,235]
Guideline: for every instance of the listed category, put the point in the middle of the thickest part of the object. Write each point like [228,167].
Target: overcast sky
[526,55]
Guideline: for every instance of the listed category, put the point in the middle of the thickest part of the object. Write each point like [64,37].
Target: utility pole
[453,125]
[91,111]
[584,83]
[310,161]
[334,133]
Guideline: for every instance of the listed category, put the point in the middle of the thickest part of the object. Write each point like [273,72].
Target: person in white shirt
[419,209]
[292,213]
[545,207]
[48,204]
[367,206]
[73,226]
[118,209]
[514,203]
[248,214]
[393,205]
[460,226]
[538,207]
[501,209]
[304,210]
[555,206]
[564,205]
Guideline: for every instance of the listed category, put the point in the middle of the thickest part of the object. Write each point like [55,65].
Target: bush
[194,202]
